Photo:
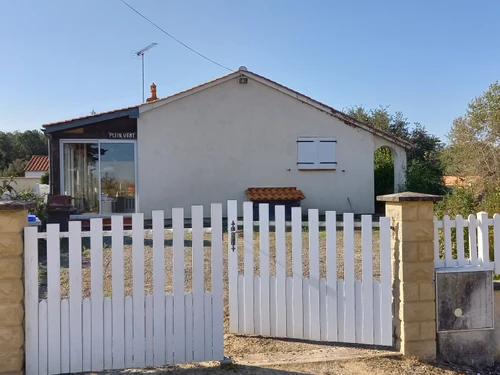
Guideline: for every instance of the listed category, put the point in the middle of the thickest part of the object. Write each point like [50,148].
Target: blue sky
[428,59]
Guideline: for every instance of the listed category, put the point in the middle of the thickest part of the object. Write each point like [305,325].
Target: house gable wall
[211,146]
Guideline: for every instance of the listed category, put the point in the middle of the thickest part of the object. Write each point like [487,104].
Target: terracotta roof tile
[274,194]
[37,163]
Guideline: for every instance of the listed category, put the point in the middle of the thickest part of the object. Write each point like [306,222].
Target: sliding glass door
[117,177]
[100,176]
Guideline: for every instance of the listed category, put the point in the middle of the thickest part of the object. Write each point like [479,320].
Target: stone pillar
[413,288]
[13,218]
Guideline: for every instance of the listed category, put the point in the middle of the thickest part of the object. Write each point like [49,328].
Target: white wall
[213,145]
[33,174]
[22,183]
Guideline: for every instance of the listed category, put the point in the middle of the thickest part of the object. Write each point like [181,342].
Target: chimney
[153,93]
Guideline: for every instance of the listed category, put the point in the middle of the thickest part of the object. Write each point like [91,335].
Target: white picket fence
[101,333]
[478,242]
[313,308]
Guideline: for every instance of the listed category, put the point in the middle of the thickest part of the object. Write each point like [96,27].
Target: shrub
[45,178]
[40,209]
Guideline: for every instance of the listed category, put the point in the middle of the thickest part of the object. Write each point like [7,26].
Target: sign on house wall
[122,135]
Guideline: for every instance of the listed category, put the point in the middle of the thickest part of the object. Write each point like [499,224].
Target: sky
[64,58]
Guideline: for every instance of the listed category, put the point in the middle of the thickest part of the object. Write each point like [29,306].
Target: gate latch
[233,235]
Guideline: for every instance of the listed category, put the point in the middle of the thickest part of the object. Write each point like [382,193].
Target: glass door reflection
[117,165]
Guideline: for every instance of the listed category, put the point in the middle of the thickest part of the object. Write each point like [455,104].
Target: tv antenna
[141,53]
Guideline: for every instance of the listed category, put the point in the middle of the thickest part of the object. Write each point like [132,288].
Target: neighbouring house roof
[459,180]
[152,103]
[274,194]
[37,163]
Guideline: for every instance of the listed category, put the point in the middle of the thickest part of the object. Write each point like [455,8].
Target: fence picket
[482,238]
[96,283]
[496,241]
[178,284]
[108,334]
[448,257]
[385,280]
[75,294]
[241,303]
[208,326]
[256,305]
[298,320]
[31,298]
[367,265]
[265,328]
[289,306]
[64,336]
[138,288]
[198,280]
[473,240]
[86,335]
[169,329]
[306,329]
[43,355]
[129,332]
[377,318]
[341,310]
[248,265]
[188,302]
[217,282]
[459,225]
[272,306]
[117,285]
[358,319]
[281,295]
[349,319]
[149,332]
[437,259]
[313,302]
[322,310]
[54,298]
[232,263]
[331,274]
[159,286]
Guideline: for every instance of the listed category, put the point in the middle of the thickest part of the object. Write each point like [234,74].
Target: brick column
[13,218]
[413,289]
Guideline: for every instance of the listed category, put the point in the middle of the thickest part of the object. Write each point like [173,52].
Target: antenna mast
[141,53]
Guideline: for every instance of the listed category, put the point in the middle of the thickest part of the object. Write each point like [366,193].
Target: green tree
[20,146]
[15,169]
[475,138]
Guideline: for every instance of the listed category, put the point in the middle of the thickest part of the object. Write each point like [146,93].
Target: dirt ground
[388,365]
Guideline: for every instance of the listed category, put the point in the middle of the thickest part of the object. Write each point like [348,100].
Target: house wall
[22,183]
[212,145]
[33,174]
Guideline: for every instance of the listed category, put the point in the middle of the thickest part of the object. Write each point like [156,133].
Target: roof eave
[71,124]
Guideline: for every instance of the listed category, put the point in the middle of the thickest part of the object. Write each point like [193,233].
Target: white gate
[119,322]
[315,304]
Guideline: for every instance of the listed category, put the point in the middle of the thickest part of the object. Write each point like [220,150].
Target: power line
[174,38]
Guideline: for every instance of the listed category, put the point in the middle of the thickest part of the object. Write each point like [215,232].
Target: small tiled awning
[37,163]
[274,194]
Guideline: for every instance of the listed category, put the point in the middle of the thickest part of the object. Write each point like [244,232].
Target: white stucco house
[37,166]
[213,142]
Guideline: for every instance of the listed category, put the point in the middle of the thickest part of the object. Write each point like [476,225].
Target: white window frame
[317,164]
[98,141]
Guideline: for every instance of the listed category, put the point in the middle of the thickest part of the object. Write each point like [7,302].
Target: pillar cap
[10,205]
[408,196]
